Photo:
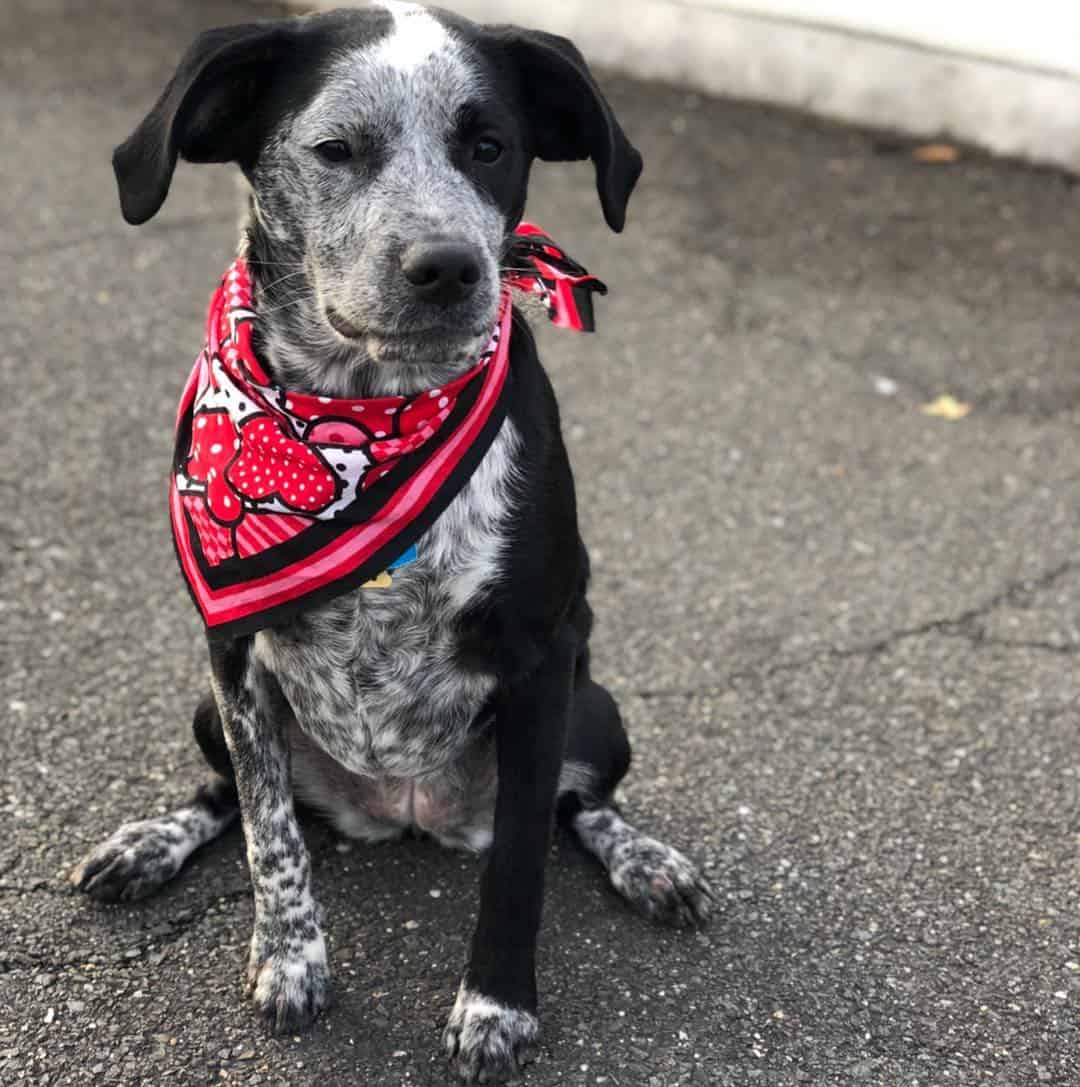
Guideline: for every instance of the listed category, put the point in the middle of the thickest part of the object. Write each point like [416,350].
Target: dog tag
[385,580]
[407,556]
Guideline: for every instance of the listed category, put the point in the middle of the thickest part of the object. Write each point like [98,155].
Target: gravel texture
[844,633]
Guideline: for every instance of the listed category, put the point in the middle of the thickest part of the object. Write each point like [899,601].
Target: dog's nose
[443,272]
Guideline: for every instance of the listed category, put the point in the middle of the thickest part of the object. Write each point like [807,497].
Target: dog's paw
[290,987]
[488,1042]
[133,863]
[660,882]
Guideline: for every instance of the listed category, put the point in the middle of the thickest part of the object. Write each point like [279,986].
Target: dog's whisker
[276,263]
[271,307]
[266,309]
[265,287]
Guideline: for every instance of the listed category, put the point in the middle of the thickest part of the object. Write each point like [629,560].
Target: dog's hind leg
[654,878]
[140,857]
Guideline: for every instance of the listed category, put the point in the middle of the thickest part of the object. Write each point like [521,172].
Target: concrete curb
[1004,107]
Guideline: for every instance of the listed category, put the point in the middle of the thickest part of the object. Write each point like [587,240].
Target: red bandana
[281,500]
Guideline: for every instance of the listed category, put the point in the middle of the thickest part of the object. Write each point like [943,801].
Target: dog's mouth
[343,327]
[382,344]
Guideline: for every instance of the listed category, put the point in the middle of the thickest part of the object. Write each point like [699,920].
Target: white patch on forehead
[416,37]
[416,76]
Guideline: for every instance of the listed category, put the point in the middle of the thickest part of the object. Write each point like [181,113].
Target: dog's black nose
[443,272]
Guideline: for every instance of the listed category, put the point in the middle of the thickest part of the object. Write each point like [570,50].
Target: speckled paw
[291,989]
[661,883]
[133,863]
[486,1041]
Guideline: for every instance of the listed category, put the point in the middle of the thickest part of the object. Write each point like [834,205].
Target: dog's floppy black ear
[207,113]
[570,117]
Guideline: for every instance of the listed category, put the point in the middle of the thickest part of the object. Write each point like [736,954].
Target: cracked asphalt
[844,633]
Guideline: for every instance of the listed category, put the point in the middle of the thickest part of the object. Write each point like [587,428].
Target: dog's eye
[333,151]
[486,151]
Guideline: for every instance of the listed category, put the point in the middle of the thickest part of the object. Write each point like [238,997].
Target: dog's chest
[377,678]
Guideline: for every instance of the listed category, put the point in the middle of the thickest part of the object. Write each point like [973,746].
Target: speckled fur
[376,685]
[654,878]
[287,973]
[375,677]
[338,243]
[139,857]
[484,1037]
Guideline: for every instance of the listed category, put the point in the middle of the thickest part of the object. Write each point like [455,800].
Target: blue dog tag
[404,558]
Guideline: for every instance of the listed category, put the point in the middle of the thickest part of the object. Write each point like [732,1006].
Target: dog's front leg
[494,1021]
[287,975]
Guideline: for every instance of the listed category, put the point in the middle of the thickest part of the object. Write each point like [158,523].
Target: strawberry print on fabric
[273,464]
[214,443]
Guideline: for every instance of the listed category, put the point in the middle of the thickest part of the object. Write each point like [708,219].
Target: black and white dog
[459,701]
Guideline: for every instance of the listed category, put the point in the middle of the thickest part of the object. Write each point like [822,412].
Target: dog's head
[388,150]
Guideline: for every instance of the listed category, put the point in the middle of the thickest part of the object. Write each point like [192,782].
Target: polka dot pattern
[214,443]
[272,463]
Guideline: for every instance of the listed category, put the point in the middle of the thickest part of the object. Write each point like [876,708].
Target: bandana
[281,500]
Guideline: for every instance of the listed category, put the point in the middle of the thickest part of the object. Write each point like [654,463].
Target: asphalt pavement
[844,632]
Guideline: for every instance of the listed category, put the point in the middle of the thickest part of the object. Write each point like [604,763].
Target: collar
[281,500]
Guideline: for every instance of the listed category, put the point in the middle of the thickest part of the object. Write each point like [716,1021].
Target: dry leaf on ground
[935,152]
[946,407]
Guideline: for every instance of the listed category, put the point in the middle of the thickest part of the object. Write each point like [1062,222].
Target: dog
[388,151]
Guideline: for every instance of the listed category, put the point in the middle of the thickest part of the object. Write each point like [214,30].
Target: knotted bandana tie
[281,500]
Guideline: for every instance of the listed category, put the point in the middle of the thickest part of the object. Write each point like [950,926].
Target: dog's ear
[569,116]
[209,112]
